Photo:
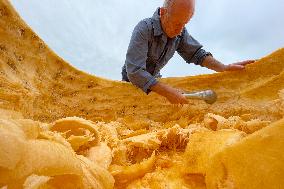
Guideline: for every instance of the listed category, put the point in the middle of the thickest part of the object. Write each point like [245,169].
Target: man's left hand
[237,66]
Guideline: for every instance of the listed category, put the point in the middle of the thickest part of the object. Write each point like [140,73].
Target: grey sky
[93,35]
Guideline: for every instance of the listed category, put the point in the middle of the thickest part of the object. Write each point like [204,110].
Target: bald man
[154,42]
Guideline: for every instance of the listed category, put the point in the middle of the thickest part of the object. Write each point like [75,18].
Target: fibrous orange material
[63,128]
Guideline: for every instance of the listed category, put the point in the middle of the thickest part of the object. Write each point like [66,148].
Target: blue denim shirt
[150,50]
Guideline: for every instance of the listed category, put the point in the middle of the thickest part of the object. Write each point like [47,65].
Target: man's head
[175,14]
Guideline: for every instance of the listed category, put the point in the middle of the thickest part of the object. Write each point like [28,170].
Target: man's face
[175,18]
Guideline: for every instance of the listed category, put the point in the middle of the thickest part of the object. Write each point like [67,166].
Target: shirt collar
[157,23]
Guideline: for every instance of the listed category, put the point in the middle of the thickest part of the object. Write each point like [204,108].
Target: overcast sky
[93,35]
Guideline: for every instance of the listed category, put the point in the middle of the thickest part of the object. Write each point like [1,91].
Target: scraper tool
[209,96]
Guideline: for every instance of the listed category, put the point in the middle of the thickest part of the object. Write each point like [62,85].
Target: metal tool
[208,96]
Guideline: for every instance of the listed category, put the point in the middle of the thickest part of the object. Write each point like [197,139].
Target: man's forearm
[172,94]
[162,89]
[213,64]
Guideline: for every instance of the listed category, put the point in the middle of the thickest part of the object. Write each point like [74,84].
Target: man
[155,40]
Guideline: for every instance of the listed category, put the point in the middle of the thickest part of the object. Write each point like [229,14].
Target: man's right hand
[173,95]
[176,97]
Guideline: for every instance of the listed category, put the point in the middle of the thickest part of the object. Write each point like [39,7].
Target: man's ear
[163,11]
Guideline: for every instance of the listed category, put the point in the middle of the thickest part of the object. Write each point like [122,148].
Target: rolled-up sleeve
[191,50]
[136,57]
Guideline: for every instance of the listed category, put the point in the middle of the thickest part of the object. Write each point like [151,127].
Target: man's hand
[173,95]
[237,66]
[176,97]
[213,64]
